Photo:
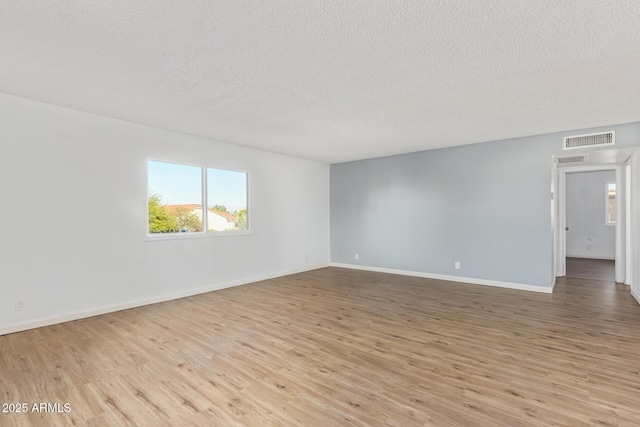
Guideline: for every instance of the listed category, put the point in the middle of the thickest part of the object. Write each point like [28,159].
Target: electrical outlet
[588,247]
[20,305]
[457,265]
[357,257]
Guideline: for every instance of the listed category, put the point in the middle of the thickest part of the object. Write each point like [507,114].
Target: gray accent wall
[485,205]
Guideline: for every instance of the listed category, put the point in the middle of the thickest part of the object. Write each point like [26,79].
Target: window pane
[227,200]
[611,203]
[175,198]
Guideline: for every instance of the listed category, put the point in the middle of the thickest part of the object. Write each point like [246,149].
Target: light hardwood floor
[337,347]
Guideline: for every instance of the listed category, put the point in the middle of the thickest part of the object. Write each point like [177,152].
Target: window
[226,200]
[176,196]
[611,204]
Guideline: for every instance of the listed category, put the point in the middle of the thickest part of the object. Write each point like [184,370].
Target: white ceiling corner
[331,80]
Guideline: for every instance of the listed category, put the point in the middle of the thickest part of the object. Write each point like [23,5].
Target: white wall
[86,175]
[585,212]
[635,225]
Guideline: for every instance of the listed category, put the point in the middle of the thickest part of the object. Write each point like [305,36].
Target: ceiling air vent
[591,140]
[573,159]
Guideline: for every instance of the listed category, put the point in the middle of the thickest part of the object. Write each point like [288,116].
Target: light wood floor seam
[342,347]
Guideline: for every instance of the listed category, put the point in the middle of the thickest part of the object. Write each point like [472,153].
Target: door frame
[560,220]
[629,230]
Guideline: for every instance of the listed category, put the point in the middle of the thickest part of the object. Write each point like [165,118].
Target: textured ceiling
[331,80]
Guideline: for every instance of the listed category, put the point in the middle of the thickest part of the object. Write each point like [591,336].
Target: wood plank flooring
[335,347]
[593,269]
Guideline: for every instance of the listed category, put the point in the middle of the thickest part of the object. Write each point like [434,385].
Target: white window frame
[204,233]
[227,232]
[606,205]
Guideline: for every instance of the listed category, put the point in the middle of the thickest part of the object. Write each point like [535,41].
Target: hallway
[593,269]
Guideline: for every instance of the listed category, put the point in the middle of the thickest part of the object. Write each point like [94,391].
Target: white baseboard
[470,280]
[52,320]
[592,257]
[636,295]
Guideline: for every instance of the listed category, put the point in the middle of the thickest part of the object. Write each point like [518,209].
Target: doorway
[584,243]
[590,224]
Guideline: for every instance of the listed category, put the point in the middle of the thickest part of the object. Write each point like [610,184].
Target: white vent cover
[590,140]
[573,159]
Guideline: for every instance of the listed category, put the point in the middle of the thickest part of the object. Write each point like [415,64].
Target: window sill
[181,236]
